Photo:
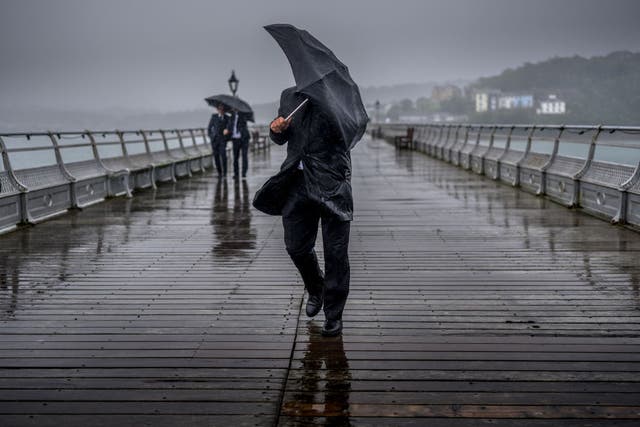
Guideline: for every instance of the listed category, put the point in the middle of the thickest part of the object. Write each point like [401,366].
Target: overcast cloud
[168,55]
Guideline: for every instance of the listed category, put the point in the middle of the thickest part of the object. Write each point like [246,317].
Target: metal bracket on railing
[146,142]
[56,150]
[180,139]
[164,140]
[94,147]
[592,152]
[193,139]
[478,136]
[554,153]
[466,137]
[494,129]
[455,139]
[7,167]
[527,149]
[507,145]
[123,144]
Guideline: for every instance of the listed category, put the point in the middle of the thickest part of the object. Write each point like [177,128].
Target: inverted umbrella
[231,103]
[321,76]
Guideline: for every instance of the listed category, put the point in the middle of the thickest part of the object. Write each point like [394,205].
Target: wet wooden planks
[471,304]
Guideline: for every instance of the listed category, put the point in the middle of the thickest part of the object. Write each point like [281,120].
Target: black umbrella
[231,103]
[324,79]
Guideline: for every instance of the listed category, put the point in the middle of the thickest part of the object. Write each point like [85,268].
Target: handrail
[603,180]
[59,176]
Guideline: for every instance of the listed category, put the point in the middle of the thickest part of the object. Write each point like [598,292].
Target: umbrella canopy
[231,103]
[321,76]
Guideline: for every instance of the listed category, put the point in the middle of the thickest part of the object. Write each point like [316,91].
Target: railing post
[94,148]
[56,150]
[146,142]
[455,141]
[179,133]
[585,167]
[621,217]
[148,150]
[166,149]
[123,145]
[195,144]
[492,136]
[507,145]
[164,140]
[67,175]
[527,149]
[554,154]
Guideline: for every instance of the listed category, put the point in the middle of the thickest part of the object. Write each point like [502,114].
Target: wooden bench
[405,141]
[260,142]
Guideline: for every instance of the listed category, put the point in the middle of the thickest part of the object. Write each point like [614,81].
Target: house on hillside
[492,100]
[510,101]
[445,92]
[551,105]
[486,100]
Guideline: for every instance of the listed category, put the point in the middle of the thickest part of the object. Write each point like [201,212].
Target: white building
[512,101]
[552,105]
[486,101]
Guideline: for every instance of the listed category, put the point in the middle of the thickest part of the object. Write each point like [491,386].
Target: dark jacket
[216,128]
[242,126]
[314,139]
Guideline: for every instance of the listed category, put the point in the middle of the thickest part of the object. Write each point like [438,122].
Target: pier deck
[472,303]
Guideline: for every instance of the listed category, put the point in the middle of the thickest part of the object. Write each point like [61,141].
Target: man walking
[237,127]
[218,135]
[313,185]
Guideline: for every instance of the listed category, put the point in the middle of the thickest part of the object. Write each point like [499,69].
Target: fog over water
[163,55]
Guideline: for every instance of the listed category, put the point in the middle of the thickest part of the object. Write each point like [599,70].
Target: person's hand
[279,125]
[225,132]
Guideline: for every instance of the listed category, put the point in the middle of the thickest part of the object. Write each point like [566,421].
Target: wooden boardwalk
[472,304]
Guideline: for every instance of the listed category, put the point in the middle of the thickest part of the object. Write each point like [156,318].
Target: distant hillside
[601,89]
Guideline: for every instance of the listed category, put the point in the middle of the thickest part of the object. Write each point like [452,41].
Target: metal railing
[44,174]
[594,168]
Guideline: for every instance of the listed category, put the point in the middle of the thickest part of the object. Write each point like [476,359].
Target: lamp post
[233,83]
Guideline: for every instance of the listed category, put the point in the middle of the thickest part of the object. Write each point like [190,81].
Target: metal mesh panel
[140,161]
[635,186]
[40,177]
[535,160]
[608,174]
[6,186]
[116,163]
[494,153]
[512,157]
[88,169]
[566,166]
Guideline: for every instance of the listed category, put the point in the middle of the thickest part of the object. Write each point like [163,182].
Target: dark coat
[242,126]
[314,139]
[216,128]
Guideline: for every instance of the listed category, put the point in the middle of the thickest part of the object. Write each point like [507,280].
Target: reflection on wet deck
[472,303]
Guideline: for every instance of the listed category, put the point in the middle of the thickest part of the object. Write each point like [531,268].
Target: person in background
[239,133]
[218,134]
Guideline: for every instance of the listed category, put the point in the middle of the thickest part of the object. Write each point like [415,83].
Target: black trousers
[300,217]
[240,146]
[219,148]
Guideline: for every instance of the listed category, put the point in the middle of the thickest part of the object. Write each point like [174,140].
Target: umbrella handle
[296,110]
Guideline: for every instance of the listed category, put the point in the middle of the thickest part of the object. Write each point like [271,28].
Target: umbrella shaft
[297,108]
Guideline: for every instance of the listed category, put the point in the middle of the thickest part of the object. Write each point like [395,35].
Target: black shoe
[332,328]
[314,304]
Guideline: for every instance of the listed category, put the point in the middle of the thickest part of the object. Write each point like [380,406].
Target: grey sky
[168,55]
